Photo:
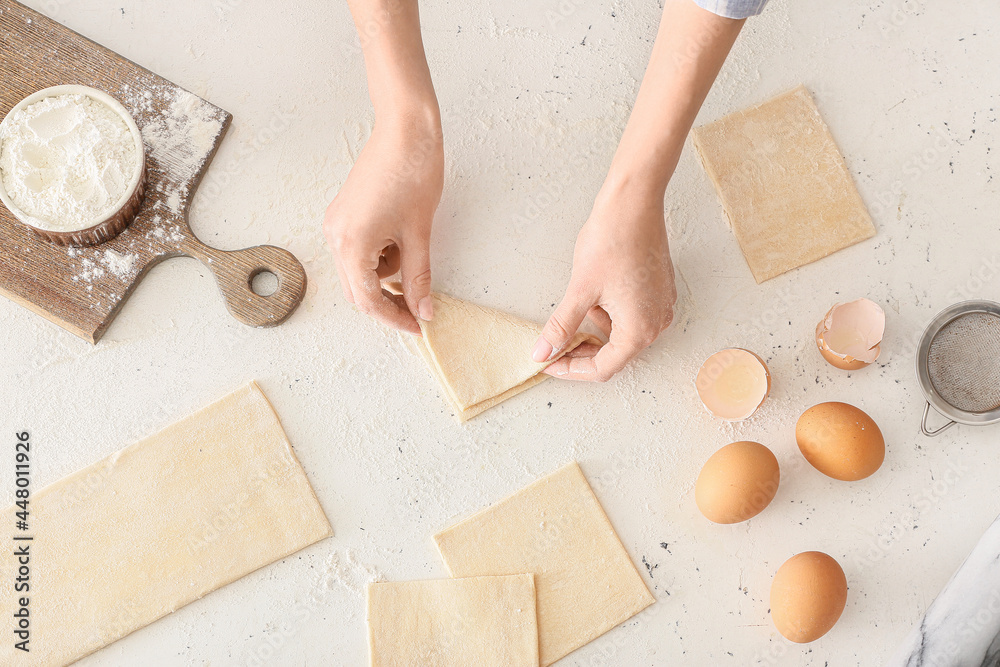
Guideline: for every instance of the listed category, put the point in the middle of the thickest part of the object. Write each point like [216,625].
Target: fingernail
[426,309]
[542,350]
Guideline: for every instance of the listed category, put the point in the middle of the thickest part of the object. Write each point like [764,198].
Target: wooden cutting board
[83,289]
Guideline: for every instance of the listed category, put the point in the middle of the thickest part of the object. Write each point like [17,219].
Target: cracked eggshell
[733,383]
[850,335]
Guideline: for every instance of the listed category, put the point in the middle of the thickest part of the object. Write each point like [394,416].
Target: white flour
[181,138]
[119,264]
[66,161]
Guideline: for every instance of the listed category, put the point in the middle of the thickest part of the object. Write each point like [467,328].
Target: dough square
[481,621]
[783,183]
[556,529]
[157,525]
[481,356]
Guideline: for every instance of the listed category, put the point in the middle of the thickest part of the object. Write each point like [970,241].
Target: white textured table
[534,96]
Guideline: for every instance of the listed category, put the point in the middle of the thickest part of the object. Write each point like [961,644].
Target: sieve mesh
[963,362]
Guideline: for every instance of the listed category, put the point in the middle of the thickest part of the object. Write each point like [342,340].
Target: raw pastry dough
[783,184]
[482,356]
[157,525]
[480,621]
[556,529]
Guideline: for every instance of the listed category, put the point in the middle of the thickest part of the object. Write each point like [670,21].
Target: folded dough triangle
[481,356]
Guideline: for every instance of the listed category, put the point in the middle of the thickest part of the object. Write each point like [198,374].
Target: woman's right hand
[380,221]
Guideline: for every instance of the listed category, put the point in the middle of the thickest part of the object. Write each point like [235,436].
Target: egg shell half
[808,595]
[850,335]
[840,362]
[733,383]
[737,482]
[840,441]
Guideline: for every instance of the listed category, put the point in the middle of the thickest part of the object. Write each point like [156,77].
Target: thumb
[415,274]
[562,325]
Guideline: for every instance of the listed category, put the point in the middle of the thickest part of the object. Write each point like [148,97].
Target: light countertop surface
[534,96]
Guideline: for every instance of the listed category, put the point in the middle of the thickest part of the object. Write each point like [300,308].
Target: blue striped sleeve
[734,9]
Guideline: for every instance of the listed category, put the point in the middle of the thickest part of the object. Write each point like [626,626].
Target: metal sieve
[958,365]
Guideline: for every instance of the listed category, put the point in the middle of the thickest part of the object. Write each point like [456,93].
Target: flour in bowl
[67,161]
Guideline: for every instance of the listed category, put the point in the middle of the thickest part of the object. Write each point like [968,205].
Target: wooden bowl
[122,211]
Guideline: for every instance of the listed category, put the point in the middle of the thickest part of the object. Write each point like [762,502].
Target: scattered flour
[120,265]
[66,161]
[346,571]
[174,202]
[89,272]
[182,137]
[179,138]
[165,232]
[95,265]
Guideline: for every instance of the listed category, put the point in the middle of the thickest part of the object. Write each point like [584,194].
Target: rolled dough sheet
[481,621]
[783,184]
[557,530]
[157,525]
[480,356]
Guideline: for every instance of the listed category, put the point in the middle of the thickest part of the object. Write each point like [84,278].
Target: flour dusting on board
[165,232]
[89,271]
[181,138]
[119,264]
[96,264]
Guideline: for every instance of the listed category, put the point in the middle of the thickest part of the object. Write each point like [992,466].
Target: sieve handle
[923,424]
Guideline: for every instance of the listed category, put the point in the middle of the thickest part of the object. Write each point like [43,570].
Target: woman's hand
[380,221]
[622,278]
[622,274]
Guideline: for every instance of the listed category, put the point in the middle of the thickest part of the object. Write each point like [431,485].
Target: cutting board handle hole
[264,283]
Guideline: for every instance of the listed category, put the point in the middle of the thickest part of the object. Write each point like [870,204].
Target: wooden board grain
[83,289]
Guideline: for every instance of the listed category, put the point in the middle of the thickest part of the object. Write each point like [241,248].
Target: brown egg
[840,441]
[737,482]
[808,596]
